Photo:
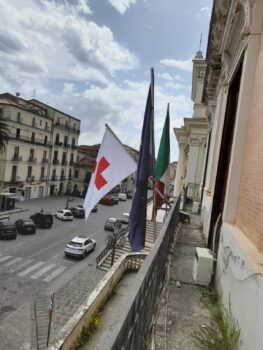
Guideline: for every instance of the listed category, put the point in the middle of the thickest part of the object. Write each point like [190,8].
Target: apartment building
[40,155]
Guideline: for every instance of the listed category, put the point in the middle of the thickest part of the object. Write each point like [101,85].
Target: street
[34,264]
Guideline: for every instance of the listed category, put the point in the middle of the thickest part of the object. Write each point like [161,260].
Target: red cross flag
[113,164]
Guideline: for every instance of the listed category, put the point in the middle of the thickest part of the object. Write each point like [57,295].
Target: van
[122,196]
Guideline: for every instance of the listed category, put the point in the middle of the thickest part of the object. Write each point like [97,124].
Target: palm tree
[3,135]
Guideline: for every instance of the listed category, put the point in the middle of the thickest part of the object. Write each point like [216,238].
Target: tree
[4,137]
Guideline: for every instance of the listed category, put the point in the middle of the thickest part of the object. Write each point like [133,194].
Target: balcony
[54,178]
[55,162]
[73,147]
[30,178]
[66,145]
[58,143]
[70,177]
[43,178]
[71,162]
[64,162]
[17,158]
[44,160]
[15,178]
[32,160]
[62,177]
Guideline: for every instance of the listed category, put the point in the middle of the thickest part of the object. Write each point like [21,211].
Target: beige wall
[250,202]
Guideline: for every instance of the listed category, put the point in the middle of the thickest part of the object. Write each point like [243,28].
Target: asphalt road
[36,263]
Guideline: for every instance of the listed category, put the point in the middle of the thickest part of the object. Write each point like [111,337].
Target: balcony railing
[62,177]
[73,147]
[43,177]
[66,145]
[54,178]
[15,178]
[64,162]
[55,161]
[30,178]
[44,160]
[17,158]
[32,160]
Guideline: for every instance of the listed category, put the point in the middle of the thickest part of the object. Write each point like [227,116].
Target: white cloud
[122,5]
[180,64]
[68,87]
[206,11]
[169,77]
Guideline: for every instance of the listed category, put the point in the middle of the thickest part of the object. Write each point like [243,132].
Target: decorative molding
[194,142]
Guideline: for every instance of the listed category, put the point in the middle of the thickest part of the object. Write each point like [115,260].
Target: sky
[91,59]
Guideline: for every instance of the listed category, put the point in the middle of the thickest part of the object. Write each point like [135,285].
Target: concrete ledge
[72,330]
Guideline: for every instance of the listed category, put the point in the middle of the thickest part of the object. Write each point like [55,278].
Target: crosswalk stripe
[42,271]
[55,273]
[19,266]
[5,258]
[31,268]
[10,262]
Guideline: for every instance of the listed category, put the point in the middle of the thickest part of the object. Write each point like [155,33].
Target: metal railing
[135,330]
[192,191]
[109,246]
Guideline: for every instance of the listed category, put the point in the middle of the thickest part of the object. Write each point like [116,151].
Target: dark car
[25,226]
[111,224]
[77,212]
[94,209]
[42,219]
[107,200]
[7,230]
[129,195]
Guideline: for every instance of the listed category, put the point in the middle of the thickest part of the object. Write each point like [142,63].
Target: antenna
[34,93]
[200,44]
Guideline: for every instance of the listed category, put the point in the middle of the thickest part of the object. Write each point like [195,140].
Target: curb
[9,212]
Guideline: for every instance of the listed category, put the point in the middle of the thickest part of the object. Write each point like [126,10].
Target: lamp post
[68,200]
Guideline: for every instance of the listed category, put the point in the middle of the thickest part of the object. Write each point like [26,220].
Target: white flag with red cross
[113,164]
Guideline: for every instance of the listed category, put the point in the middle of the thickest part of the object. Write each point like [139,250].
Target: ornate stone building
[192,138]
[233,198]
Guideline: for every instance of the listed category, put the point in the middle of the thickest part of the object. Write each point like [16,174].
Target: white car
[80,246]
[125,218]
[122,196]
[64,214]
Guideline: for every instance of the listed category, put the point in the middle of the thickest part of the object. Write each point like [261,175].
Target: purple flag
[137,224]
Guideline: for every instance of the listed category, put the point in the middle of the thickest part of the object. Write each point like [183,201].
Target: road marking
[42,271]
[31,268]
[5,258]
[18,267]
[9,263]
[55,273]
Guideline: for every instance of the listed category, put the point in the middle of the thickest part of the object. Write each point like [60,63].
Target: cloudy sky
[92,59]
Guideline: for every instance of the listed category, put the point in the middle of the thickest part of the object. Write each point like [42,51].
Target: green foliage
[87,332]
[223,333]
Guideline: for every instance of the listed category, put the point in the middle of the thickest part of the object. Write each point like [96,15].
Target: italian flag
[162,168]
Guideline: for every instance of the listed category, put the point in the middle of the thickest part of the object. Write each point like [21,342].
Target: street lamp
[68,200]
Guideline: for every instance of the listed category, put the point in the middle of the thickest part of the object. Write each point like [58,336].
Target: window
[31,153]
[40,122]
[45,140]
[69,174]
[58,121]
[73,142]
[34,121]
[76,174]
[16,152]
[42,172]
[71,158]
[44,154]
[65,141]
[17,134]
[57,139]
[46,126]
[14,170]
[29,172]
[1,112]
[33,137]
[18,117]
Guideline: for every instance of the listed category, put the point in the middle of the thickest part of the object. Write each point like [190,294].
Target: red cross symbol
[99,179]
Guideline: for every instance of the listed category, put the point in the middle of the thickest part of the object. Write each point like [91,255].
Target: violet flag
[137,224]
[113,164]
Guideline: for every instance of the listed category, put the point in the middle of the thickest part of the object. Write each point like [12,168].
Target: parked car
[25,226]
[80,246]
[112,223]
[125,218]
[78,212]
[115,199]
[107,200]
[42,219]
[129,195]
[64,214]
[7,230]
[122,196]
[94,209]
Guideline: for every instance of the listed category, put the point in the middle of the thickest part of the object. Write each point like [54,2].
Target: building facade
[192,138]
[233,198]
[42,149]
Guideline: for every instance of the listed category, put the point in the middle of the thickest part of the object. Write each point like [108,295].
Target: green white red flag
[162,167]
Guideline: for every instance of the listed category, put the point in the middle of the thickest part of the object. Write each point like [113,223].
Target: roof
[79,239]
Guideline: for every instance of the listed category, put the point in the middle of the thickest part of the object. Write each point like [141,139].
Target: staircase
[119,251]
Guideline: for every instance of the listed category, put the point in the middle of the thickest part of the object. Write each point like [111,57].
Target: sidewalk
[180,310]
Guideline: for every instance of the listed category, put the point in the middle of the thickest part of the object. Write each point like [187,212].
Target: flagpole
[153,156]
